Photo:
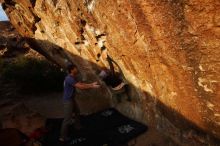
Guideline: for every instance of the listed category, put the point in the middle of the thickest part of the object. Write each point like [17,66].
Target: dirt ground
[50,106]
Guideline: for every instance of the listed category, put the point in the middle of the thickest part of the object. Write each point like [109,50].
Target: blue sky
[3,16]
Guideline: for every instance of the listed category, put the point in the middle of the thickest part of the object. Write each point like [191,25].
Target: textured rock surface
[168,51]
[12,44]
[19,116]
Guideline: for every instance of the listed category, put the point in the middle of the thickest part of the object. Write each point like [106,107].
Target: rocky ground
[50,106]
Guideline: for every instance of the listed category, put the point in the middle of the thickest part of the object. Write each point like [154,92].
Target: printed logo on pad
[125,129]
[77,140]
[107,113]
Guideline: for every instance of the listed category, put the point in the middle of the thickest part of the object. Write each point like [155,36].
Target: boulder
[167,50]
[18,116]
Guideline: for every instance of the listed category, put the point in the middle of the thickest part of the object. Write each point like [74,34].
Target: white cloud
[3,16]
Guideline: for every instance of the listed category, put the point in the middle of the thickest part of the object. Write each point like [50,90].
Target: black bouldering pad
[105,128]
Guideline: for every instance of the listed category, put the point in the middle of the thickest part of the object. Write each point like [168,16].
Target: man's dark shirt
[69,89]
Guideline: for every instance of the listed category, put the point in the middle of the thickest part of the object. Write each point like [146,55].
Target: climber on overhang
[115,80]
[110,77]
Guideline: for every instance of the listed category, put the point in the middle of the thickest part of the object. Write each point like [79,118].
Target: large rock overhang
[168,51]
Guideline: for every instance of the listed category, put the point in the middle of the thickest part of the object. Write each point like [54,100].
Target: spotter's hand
[95,85]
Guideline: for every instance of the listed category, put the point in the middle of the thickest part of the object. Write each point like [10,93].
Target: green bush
[32,75]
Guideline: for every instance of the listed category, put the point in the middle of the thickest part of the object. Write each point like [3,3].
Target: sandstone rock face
[168,51]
